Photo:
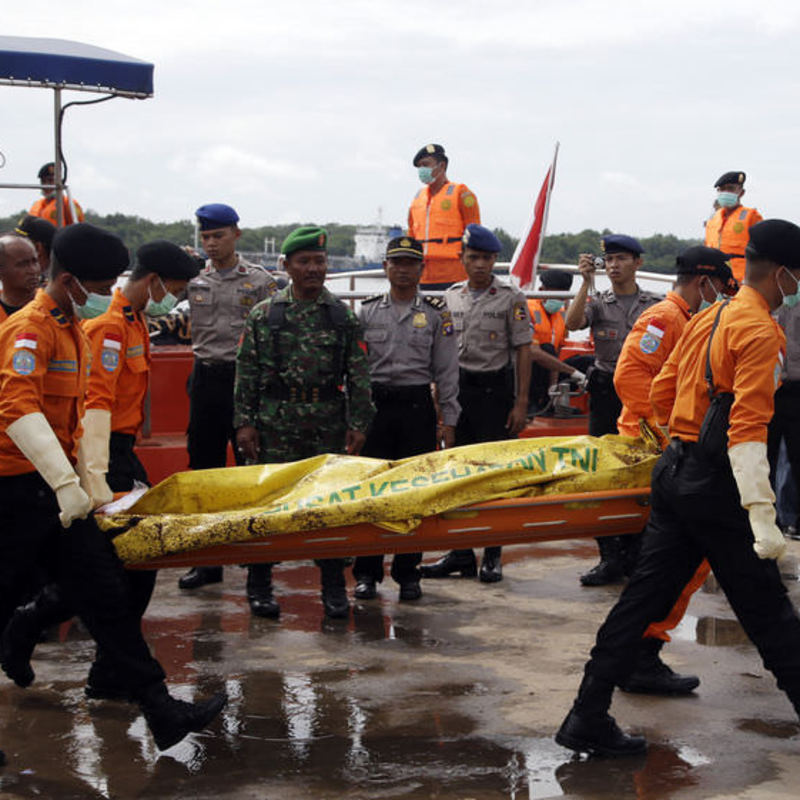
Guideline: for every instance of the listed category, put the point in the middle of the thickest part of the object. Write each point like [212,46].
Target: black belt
[382,393]
[442,240]
[495,378]
[218,366]
[303,394]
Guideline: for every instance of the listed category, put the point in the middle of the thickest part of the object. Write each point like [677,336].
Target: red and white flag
[526,257]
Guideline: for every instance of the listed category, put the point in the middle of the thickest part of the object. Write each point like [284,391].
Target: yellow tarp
[208,507]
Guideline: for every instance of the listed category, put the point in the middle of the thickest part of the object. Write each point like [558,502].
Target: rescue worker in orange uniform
[711,495]
[19,274]
[703,278]
[729,228]
[438,216]
[549,332]
[46,207]
[44,511]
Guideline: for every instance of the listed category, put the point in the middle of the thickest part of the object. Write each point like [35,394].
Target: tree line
[559,248]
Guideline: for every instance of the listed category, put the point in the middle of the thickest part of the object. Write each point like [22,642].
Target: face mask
[425,174]
[163,306]
[790,300]
[727,199]
[552,305]
[94,306]
[704,304]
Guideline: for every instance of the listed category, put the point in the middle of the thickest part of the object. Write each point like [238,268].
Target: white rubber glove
[34,437]
[93,455]
[579,378]
[751,473]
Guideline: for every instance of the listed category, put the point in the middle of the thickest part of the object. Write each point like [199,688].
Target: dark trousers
[785,425]
[404,425]
[211,415]
[695,514]
[84,564]
[604,404]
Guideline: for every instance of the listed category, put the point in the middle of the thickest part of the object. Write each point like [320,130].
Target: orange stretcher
[521,520]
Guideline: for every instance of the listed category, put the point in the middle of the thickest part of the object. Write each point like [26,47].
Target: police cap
[89,252]
[404,247]
[556,279]
[619,243]
[776,240]
[216,215]
[44,169]
[476,237]
[435,150]
[306,237]
[37,230]
[730,177]
[167,260]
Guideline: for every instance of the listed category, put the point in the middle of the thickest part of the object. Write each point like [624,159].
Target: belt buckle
[315,394]
[292,394]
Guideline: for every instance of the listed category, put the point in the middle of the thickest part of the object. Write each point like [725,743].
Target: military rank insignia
[419,320]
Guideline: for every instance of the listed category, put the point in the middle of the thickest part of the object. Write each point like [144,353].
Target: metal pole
[57,159]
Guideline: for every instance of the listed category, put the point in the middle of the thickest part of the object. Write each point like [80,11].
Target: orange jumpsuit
[438,221]
[120,347]
[45,207]
[646,348]
[44,364]
[547,328]
[729,230]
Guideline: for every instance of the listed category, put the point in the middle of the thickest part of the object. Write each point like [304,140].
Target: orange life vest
[45,207]
[729,230]
[547,328]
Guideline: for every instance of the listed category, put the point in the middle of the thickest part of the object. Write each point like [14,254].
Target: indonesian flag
[526,257]
[27,340]
[112,341]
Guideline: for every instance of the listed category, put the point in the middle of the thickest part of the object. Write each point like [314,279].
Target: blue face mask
[704,304]
[163,306]
[425,174]
[94,305]
[727,199]
[552,305]
[790,300]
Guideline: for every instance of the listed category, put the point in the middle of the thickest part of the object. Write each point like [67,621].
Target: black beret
[776,240]
[89,252]
[700,260]
[167,260]
[37,230]
[730,177]
[404,246]
[557,279]
[435,150]
[45,168]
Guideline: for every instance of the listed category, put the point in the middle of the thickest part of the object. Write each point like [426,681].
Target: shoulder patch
[468,199]
[519,311]
[372,299]
[436,302]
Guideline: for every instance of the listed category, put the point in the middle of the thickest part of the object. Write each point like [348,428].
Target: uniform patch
[468,200]
[447,324]
[112,342]
[519,312]
[419,320]
[109,359]
[27,340]
[24,362]
[446,204]
[649,343]
[738,227]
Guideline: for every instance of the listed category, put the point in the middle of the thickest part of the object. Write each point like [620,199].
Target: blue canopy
[61,64]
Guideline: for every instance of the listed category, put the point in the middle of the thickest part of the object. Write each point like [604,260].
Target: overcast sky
[312,110]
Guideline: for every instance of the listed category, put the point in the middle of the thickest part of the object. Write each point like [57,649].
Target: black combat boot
[25,629]
[200,576]
[334,592]
[610,569]
[652,676]
[589,728]
[491,569]
[259,591]
[366,588]
[462,561]
[170,719]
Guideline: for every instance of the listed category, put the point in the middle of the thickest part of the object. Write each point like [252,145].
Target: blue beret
[216,215]
[477,237]
[619,243]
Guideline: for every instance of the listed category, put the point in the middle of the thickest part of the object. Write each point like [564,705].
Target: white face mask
[163,306]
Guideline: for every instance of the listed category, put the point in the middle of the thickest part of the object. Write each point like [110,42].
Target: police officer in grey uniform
[610,316]
[220,298]
[493,327]
[411,343]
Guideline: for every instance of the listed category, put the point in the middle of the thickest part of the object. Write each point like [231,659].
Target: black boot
[652,676]
[610,568]
[170,719]
[259,591]
[630,545]
[462,561]
[24,630]
[334,593]
[589,728]
[491,569]
[365,587]
[200,576]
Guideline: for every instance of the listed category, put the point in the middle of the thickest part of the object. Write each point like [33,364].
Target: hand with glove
[657,436]
[34,437]
[751,473]
[93,456]
[578,378]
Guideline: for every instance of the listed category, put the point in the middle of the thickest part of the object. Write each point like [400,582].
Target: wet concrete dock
[455,696]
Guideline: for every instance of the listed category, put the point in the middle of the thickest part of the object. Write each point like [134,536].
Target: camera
[598,262]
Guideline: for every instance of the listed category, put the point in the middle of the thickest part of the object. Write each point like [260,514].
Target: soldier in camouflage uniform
[302,380]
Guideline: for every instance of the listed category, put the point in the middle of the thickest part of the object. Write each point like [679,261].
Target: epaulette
[58,315]
[372,299]
[127,312]
[437,302]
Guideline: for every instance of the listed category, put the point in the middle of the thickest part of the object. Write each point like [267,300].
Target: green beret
[307,237]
